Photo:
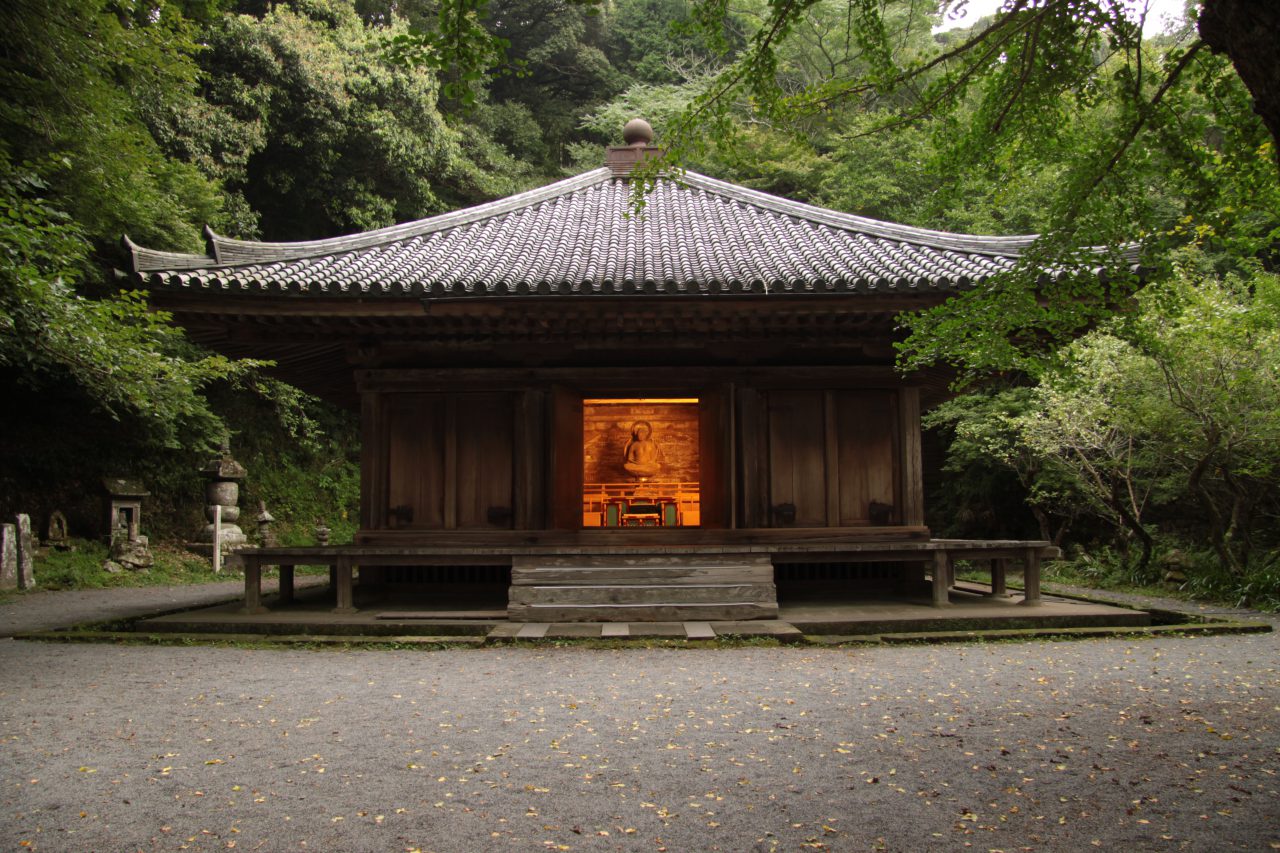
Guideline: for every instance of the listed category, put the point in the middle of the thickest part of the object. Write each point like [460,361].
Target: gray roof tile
[696,235]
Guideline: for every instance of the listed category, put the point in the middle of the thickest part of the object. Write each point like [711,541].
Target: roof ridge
[143,258]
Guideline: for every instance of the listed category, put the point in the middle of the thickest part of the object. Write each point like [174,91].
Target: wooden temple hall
[604,415]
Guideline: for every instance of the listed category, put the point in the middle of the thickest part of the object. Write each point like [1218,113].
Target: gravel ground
[1147,744]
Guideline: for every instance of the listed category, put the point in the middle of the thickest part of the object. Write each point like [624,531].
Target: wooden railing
[606,504]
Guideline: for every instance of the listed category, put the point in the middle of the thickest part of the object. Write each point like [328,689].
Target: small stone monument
[322,532]
[124,508]
[266,527]
[8,556]
[223,489]
[129,548]
[26,552]
[58,532]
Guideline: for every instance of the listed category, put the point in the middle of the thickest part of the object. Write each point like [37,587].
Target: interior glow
[640,462]
[615,401]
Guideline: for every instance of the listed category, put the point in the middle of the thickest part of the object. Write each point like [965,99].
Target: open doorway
[641,462]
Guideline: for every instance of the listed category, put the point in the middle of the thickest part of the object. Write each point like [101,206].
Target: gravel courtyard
[1143,744]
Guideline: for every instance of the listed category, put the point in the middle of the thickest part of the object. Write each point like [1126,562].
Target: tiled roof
[696,236]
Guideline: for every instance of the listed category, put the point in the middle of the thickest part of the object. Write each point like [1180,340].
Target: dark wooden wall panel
[797,455]
[484,439]
[865,440]
[416,459]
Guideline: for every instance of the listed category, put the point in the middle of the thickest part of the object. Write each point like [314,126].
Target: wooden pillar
[252,587]
[373,461]
[912,458]
[345,598]
[751,489]
[450,461]
[530,452]
[999,571]
[286,585]
[1031,576]
[941,577]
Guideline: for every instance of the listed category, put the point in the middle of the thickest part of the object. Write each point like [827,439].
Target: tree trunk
[1248,32]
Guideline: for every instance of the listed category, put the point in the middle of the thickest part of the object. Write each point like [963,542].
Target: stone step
[643,593]
[712,611]
[641,569]
[641,588]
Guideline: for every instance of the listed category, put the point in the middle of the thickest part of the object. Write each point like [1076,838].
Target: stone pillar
[26,552]
[8,556]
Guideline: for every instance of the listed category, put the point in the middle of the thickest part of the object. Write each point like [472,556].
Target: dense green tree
[1164,424]
[78,165]
[83,80]
[328,135]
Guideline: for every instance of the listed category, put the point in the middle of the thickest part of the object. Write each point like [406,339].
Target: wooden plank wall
[416,460]
[485,427]
[449,460]
[831,454]
[509,457]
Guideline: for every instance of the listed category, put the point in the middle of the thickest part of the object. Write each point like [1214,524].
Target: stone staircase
[642,588]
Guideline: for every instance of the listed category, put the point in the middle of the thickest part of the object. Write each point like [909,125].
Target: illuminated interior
[640,465]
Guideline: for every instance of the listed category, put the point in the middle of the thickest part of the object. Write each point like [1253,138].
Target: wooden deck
[937,557]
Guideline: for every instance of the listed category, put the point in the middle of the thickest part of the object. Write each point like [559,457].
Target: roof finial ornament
[637,132]
[638,135]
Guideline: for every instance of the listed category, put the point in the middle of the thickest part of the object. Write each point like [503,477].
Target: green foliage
[986,439]
[1164,424]
[329,135]
[124,357]
[80,567]
[83,80]
[303,461]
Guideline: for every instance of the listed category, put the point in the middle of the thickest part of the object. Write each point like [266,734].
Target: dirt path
[1137,744]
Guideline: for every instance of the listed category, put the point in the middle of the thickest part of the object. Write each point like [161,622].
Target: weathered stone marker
[26,552]
[223,475]
[129,548]
[58,532]
[8,556]
[266,529]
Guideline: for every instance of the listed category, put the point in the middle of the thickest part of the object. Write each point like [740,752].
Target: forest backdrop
[1137,423]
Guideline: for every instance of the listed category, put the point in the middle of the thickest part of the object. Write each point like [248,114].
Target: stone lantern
[223,490]
[129,548]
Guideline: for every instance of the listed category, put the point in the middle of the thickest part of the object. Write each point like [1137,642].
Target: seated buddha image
[642,458]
